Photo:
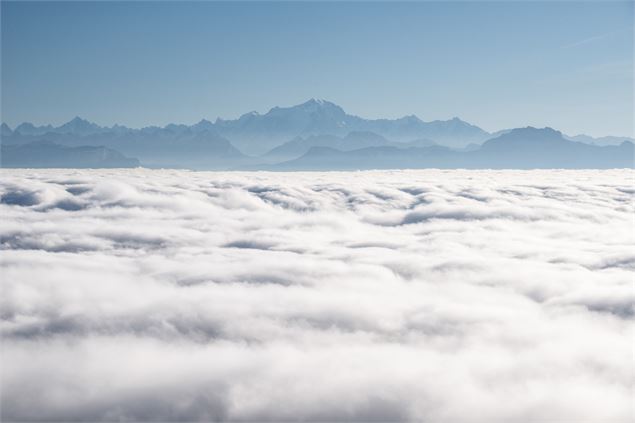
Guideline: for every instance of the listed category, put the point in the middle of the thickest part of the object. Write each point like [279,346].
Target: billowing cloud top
[406,295]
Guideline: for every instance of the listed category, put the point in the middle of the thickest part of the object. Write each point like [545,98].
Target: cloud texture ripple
[369,296]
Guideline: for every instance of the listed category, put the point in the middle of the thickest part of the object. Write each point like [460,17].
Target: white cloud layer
[463,296]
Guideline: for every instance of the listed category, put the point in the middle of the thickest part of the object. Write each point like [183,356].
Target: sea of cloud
[460,296]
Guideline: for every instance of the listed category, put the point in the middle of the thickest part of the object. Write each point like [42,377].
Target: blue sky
[568,65]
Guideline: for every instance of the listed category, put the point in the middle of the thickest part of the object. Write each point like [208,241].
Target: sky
[568,65]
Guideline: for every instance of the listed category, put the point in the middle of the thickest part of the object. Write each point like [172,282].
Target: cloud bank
[369,296]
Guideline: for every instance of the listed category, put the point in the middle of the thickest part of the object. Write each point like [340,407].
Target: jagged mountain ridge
[320,117]
[294,131]
[256,134]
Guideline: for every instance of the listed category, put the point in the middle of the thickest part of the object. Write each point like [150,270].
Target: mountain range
[315,131]
[45,154]
[521,148]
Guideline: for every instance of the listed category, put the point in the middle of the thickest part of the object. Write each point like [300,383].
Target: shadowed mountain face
[44,154]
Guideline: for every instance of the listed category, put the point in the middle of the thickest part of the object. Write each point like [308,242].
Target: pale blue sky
[568,65]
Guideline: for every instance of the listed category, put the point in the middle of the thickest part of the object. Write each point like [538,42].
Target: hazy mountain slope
[353,141]
[451,133]
[44,154]
[254,133]
[172,146]
[186,148]
[547,148]
[386,157]
[609,140]
[281,134]
[5,131]
[520,148]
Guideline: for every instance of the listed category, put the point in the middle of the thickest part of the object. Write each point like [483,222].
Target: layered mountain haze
[319,117]
[353,141]
[46,154]
[607,140]
[255,134]
[547,148]
[586,139]
[172,146]
[523,148]
[319,134]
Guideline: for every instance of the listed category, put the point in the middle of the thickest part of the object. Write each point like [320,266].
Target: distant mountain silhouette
[178,147]
[353,141]
[255,133]
[46,154]
[27,128]
[523,148]
[285,134]
[172,146]
[547,148]
[385,157]
[5,131]
[609,140]
[79,126]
